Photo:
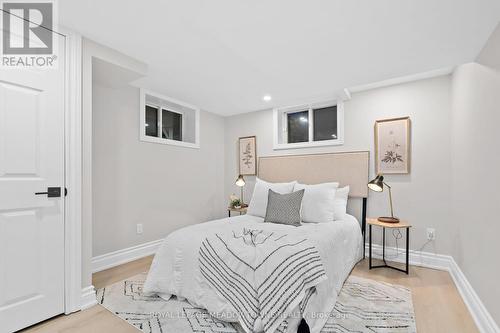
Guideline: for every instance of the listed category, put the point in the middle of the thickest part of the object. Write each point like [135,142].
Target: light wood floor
[438,305]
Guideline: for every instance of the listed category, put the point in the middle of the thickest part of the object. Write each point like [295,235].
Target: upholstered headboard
[350,168]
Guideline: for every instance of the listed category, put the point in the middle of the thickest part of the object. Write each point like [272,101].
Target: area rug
[363,306]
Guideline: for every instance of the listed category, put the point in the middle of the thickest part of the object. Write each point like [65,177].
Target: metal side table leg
[370,246]
[407,250]
[383,245]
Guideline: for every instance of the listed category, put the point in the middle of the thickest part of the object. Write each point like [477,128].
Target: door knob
[52,192]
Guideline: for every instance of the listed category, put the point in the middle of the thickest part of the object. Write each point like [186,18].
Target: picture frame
[393,146]
[247,147]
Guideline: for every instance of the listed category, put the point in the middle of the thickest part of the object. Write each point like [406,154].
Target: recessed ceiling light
[266,98]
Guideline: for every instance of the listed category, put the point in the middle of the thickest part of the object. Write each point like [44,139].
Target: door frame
[79,294]
[73,172]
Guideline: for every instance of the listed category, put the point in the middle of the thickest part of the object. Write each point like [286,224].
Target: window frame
[284,122]
[163,106]
[283,112]
[183,123]
[158,108]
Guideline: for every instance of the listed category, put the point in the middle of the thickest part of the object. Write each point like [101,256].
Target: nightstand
[402,225]
[242,210]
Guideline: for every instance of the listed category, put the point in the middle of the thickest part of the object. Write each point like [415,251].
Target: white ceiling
[112,75]
[224,55]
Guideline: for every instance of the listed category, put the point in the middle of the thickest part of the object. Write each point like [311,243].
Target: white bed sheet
[175,268]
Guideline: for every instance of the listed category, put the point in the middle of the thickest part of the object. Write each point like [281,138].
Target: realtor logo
[28,34]
[27,28]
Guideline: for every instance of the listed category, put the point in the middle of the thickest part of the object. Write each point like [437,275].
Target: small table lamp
[377,185]
[241,183]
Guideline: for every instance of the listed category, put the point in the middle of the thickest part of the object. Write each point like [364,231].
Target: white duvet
[175,269]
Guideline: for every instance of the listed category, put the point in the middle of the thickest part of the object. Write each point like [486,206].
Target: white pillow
[318,203]
[258,203]
[340,204]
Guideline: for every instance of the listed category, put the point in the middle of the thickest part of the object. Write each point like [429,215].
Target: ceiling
[112,75]
[225,55]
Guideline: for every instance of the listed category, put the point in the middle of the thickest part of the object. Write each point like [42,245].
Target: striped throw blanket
[264,275]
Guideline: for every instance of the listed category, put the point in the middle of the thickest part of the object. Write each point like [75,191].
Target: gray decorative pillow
[284,208]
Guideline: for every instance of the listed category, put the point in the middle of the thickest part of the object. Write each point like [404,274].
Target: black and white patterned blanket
[264,275]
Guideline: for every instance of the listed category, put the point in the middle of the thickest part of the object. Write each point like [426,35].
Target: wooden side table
[402,224]
[242,210]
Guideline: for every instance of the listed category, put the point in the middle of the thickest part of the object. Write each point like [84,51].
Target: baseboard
[481,316]
[88,298]
[417,258]
[116,258]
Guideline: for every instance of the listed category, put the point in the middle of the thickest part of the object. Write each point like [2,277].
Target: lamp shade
[377,184]
[240,181]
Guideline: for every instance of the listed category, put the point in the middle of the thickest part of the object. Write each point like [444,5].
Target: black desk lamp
[377,185]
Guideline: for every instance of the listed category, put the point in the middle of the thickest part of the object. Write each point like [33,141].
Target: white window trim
[159,139]
[282,112]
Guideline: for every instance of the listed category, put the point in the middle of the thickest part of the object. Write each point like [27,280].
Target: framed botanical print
[248,156]
[392,146]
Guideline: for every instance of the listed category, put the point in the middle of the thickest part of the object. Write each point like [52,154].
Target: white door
[31,225]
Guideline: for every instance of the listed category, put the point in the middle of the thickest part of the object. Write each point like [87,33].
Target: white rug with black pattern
[363,306]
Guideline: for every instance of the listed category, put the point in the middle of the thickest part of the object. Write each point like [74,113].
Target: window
[171,125]
[151,121]
[312,125]
[325,123]
[298,127]
[166,121]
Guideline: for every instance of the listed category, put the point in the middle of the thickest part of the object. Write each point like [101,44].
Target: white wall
[91,51]
[163,187]
[422,197]
[476,174]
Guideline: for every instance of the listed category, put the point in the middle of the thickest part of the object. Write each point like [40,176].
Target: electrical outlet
[139,229]
[431,234]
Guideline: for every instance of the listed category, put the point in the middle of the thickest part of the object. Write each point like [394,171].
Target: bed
[268,276]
